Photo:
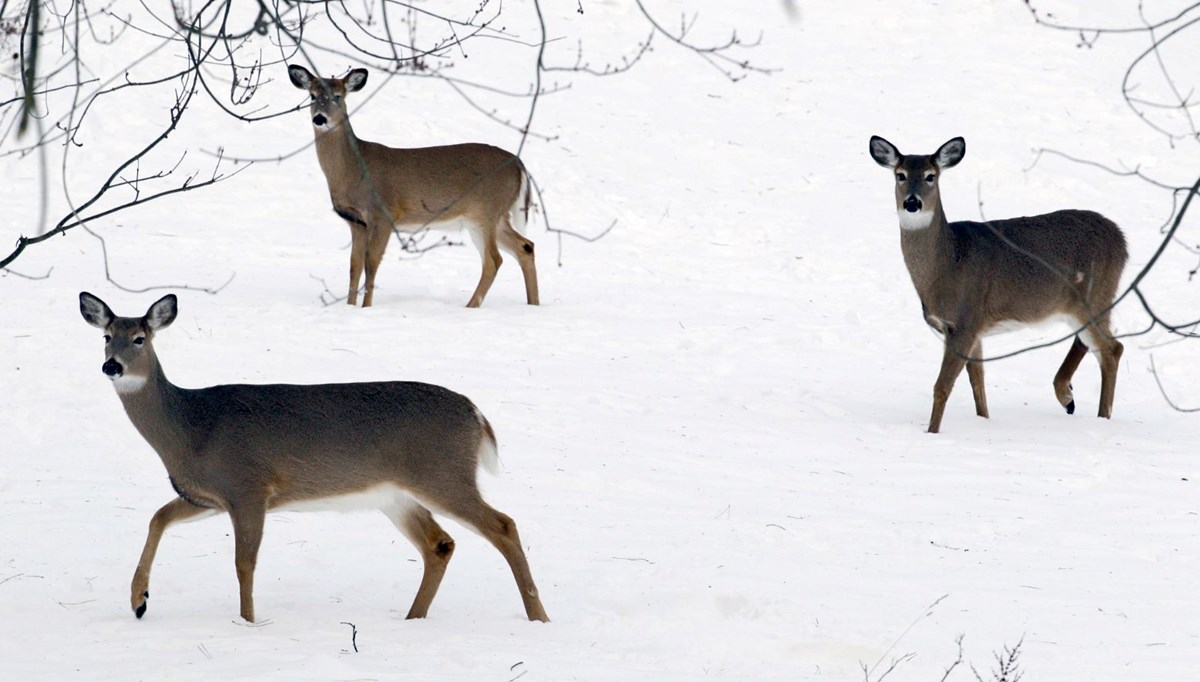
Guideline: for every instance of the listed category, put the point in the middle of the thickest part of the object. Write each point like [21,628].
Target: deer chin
[128,383]
[915,221]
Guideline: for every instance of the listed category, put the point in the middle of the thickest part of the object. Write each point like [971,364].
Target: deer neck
[157,409]
[339,151]
[926,252]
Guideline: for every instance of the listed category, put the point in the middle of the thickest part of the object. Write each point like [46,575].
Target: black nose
[112,368]
[912,204]
[319,120]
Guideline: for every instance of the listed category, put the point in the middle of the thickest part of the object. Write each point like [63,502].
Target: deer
[404,448]
[978,278]
[376,188]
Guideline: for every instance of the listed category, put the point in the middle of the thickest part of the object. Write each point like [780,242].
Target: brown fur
[972,277]
[379,188]
[248,449]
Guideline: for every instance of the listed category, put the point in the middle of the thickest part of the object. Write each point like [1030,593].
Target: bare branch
[228,52]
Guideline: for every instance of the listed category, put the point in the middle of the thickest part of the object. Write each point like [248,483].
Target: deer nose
[912,204]
[112,369]
[319,120]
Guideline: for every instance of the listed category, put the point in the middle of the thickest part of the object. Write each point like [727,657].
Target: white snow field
[713,428]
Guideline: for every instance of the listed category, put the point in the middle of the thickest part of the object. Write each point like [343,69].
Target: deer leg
[491,263]
[1062,380]
[975,374]
[953,361]
[1110,360]
[501,531]
[516,244]
[248,520]
[358,254]
[377,241]
[436,547]
[171,512]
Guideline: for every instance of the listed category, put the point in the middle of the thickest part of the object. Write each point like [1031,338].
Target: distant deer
[401,447]
[973,278]
[377,188]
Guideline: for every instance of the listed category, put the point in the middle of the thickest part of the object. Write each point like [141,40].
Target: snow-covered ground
[712,430]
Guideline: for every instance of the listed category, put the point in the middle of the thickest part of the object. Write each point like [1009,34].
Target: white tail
[401,447]
[973,278]
[376,188]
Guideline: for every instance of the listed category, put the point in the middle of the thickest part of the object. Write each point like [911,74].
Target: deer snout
[912,204]
[112,369]
[319,120]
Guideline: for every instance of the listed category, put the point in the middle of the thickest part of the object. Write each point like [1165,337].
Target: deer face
[128,353]
[328,108]
[917,177]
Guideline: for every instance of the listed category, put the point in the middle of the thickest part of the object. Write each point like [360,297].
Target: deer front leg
[358,254]
[175,510]
[975,374]
[248,520]
[377,238]
[953,361]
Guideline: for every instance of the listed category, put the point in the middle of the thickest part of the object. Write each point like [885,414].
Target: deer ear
[356,80]
[300,76]
[162,313]
[884,152]
[95,311]
[950,153]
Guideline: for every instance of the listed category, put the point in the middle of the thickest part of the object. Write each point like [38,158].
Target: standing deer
[404,448]
[376,188]
[973,278]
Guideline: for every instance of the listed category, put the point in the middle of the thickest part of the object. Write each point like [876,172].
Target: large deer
[401,447]
[974,278]
[376,189]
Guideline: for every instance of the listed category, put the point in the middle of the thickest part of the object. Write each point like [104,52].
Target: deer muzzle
[112,369]
[912,204]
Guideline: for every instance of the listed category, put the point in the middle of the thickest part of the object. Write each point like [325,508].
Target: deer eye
[901,177]
[139,341]
[929,178]
[107,338]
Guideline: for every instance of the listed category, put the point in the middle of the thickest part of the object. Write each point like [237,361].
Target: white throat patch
[915,221]
[128,383]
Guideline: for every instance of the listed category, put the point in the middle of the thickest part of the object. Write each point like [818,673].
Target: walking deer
[404,448]
[376,189]
[974,278]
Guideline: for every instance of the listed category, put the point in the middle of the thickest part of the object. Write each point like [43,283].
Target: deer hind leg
[1062,380]
[975,374]
[953,361]
[485,241]
[172,512]
[248,520]
[436,547]
[516,244]
[500,530]
[377,241]
[358,255]
[1099,337]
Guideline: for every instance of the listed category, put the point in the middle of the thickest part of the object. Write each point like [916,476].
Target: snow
[711,432]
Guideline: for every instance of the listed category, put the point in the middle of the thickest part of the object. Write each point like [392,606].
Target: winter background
[712,430]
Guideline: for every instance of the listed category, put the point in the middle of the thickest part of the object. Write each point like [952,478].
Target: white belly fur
[1072,324]
[385,496]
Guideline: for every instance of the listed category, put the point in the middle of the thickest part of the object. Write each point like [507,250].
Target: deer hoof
[1070,407]
[140,610]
